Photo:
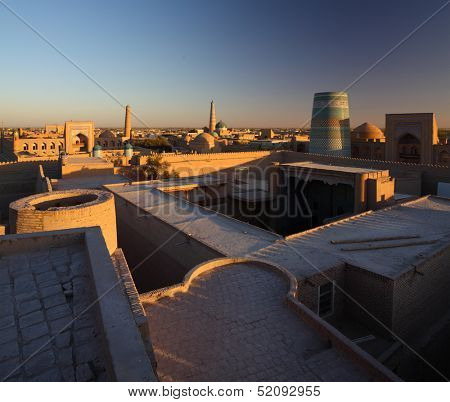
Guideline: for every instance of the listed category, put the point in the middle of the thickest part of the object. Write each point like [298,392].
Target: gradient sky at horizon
[261,61]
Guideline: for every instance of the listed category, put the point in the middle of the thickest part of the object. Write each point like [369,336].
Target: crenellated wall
[201,164]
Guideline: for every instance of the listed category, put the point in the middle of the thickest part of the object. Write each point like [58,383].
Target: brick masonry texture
[41,293]
[26,218]
[233,325]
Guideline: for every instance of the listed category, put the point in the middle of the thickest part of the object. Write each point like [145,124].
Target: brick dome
[107,134]
[367,131]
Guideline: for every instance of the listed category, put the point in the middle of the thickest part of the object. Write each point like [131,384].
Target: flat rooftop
[83,160]
[42,292]
[387,241]
[229,236]
[56,318]
[233,324]
[333,168]
[94,182]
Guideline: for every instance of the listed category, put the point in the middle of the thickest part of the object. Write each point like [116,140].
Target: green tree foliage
[153,142]
[154,169]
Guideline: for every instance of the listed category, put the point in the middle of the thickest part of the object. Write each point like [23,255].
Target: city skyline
[261,65]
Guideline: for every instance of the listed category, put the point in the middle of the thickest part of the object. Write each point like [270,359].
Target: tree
[157,142]
[154,169]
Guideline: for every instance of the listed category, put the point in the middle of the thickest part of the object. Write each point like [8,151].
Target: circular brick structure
[66,210]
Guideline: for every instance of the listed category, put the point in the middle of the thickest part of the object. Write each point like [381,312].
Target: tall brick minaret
[212,118]
[127,130]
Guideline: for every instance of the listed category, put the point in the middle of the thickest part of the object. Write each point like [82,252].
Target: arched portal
[80,143]
[408,149]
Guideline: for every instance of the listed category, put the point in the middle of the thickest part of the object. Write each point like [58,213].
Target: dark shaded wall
[158,254]
[18,180]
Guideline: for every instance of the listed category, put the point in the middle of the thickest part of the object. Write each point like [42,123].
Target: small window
[326,299]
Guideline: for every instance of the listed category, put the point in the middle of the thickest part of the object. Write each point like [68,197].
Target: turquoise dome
[97,147]
[128,146]
[214,134]
[220,125]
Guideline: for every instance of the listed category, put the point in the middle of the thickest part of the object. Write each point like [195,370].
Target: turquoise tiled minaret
[330,124]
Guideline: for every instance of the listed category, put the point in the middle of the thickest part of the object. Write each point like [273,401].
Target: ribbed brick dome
[367,131]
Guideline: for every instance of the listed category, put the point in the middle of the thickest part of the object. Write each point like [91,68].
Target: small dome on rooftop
[107,134]
[204,138]
[220,125]
[367,131]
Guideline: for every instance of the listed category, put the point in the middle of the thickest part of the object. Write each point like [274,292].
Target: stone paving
[40,294]
[233,325]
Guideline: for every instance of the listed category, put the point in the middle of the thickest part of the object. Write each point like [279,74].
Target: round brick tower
[66,210]
[127,128]
[212,118]
[330,124]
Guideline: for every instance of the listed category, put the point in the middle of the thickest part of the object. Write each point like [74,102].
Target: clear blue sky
[261,61]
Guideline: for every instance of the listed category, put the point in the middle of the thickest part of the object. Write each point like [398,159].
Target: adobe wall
[157,253]
[421,295]
[95,208]
[89,168]
[407,305]
[18,180]
[201,164]
[129,288]
[43,184]
[309,289]
[39,146]
[372,291]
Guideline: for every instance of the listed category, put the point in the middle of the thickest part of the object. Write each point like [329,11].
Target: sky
[261,61]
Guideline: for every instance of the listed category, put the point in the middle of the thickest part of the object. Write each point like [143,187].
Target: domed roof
[220,124]
[107,134]
[214,134]
[367,131]
[204,139]
[128,146]
[97,147]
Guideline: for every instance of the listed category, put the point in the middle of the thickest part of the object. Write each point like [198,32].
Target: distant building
[408,137]
[368,141]
[267,134]
[74,137]
[204,143]
[221,128]
[54,128]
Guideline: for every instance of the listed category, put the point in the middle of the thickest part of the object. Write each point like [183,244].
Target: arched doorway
[409,149]
[80,143]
